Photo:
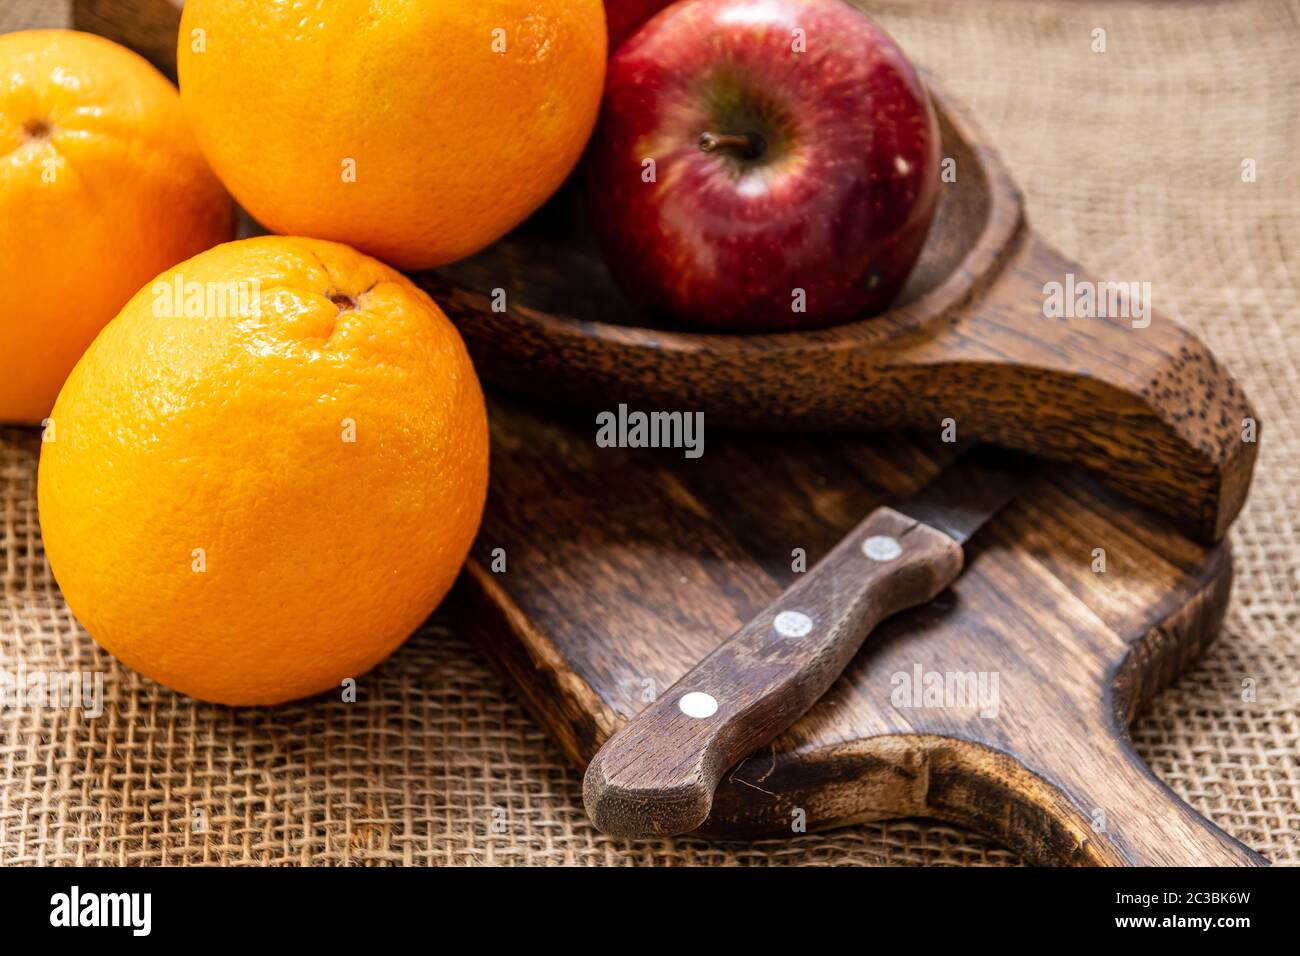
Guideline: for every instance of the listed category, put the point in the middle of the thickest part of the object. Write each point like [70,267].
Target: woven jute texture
[1131,160]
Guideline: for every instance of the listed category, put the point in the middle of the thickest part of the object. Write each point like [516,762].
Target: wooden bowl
[577,337]
[967,345]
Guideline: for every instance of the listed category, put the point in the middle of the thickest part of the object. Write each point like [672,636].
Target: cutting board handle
[1099,804]
[1136,820]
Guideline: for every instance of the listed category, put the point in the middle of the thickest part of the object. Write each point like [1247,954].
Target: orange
[265,472]
[102,186]
[417,132]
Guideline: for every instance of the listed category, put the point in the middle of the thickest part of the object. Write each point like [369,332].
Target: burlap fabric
[1131,161]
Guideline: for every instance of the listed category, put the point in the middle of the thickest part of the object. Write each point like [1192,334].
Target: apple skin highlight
[795,163]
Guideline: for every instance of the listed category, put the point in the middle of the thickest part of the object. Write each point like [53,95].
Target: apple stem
[745,145]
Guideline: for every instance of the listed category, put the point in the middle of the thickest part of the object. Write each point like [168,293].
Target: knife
[656,776]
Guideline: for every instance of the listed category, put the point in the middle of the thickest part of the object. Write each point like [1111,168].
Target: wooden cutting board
[618,569]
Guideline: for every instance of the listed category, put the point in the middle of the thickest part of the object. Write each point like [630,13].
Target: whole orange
[102,186]
[417,132]
[265,472]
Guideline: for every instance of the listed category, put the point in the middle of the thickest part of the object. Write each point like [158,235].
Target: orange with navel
[265,472]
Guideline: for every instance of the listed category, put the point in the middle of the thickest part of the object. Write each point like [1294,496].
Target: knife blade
[964,496]
[656,776]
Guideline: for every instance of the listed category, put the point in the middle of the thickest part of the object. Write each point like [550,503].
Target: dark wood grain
[656,776]
[624,568]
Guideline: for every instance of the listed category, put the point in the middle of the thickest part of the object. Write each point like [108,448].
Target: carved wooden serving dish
[1149,409]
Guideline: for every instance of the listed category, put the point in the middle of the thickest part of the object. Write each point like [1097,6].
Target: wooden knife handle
[656,776]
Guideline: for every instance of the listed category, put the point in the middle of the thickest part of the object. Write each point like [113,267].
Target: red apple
[763,164]
[624,16]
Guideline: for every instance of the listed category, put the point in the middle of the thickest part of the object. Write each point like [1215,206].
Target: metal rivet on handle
[881,548]
[793,624]
[697,704]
